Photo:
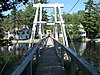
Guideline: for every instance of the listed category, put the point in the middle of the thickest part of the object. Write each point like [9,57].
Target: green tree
[72,22]
[40,1]
[1,32]
[80,14]
[28,15]
[19,18]
[67,18]
[10,4]
[13,18]
[90,19]
[97,16]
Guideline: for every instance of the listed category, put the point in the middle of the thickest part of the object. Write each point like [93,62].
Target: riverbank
[85,40]
[24,41]
[96,40]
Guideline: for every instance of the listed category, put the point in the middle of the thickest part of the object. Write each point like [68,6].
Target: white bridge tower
[57,13]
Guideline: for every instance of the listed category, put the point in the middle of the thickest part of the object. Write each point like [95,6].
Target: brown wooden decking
[49,63]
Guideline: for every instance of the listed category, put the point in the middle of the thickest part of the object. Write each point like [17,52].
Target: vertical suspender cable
[67,28]
[70,39]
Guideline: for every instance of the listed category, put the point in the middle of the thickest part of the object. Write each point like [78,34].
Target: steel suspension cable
[73,6]
[67,27]
[70,38]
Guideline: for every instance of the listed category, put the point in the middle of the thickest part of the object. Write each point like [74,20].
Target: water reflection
[90,51]
[92,54]
[10,48]
[18,52]
[82,47]
[1,49]
[19,49]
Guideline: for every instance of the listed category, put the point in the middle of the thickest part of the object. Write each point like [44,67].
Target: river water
[88,50]
[16,52]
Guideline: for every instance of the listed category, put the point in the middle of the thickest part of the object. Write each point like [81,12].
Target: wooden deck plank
[49,63]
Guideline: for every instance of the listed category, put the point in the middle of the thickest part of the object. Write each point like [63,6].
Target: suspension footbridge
[49,53]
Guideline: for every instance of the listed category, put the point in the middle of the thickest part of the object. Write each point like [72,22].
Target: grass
[24,41]
[86,40]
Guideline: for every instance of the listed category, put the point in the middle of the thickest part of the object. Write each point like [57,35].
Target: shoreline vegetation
[85,40]
[24,41]
[79,40]
[36,40]
[4,42]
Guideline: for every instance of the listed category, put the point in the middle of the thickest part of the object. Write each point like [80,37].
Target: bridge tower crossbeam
[57,13]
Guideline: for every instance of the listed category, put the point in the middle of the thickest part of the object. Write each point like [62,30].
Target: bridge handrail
[28,57]
[86,67]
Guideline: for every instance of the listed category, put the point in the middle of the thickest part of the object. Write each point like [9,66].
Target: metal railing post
[56,47]
[73,67]
[37,56]
[62,56]
[29,68]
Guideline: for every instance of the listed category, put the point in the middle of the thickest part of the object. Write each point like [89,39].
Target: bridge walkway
[49,63]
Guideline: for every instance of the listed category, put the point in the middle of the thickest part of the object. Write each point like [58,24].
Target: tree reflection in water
[90,51]
[17,53]
[19,49]
[92,54]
